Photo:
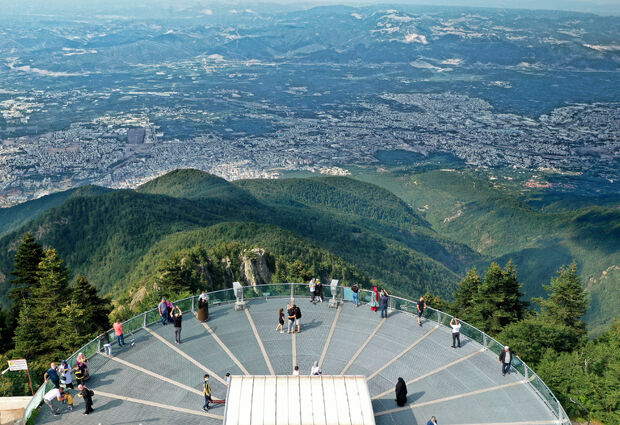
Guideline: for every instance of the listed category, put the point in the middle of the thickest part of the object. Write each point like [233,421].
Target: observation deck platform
[160,382]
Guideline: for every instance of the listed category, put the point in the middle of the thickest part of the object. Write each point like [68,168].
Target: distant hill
[105,236]
[195,184]
[12,218]
[497,221]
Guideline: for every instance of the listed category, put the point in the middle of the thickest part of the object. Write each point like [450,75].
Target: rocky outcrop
[253,269]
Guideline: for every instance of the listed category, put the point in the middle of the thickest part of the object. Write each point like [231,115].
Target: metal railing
[342,293]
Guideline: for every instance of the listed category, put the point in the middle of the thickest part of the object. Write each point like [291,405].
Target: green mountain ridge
[106,236]
[414,235]
[498,221]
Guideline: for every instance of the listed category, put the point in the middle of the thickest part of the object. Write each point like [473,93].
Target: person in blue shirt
[52,375]
[163,311]
[432,421]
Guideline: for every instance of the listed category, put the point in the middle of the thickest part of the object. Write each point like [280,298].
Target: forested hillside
[106,236]
[501,221]
[414,243]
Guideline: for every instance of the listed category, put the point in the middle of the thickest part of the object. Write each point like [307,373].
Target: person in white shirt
[312,285]
[456,332]
[296,371]
[316,370]
[54,393]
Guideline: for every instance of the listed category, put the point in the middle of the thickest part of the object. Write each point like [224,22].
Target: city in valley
[134,99]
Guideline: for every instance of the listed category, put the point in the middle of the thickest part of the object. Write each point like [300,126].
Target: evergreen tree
[29,255]
[87,313]
[49,299]
[26,265]
[567,301]
[498,300]
[173,276]
[534,336]
[466,295]
[28,335]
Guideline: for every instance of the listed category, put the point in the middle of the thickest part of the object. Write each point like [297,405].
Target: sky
[602,7]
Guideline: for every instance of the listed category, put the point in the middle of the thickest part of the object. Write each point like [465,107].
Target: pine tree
[86,312]
[49,299]
[466,294]
[567,301]
[28,335]
[498,300]
[26,265]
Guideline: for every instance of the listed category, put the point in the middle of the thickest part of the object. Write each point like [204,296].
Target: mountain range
[120,238]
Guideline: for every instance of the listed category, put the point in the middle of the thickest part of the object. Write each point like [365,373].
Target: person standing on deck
[203,303]
[356,295]
[87,394]
[374,299]
[319,290]
[312,286]
[206,390]
[52,375]
[280,326]
[163,311]
[421,305]
[401,392]
[456,332]
[505,359]
[118,330]
[290,310]
[297,317]
[178,321]
[105,340]
[384,303]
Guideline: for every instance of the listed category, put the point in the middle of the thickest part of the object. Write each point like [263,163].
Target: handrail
[487,341]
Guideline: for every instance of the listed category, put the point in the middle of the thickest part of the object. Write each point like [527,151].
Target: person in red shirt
[118,330]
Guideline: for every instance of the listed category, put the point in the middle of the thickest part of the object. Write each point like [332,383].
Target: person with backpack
[87,394]
[297,317]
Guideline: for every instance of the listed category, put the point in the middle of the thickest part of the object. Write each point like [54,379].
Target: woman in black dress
[401,392]
[280,321]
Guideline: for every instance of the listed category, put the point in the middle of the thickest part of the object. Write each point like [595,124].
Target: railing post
[438,317]
[144,320]
[292,291]
[484,341]
[193,311]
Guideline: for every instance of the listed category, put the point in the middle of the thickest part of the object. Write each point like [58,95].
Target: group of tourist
[316,290]
[62,380]
[294,317]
